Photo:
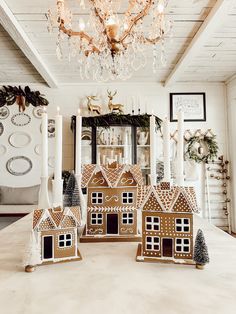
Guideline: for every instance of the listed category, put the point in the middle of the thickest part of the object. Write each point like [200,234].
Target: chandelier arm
[134,21]
[82,35]
[151,41]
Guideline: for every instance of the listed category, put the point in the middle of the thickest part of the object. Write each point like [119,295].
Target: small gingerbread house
[55,232]
[167,223]
[112,202]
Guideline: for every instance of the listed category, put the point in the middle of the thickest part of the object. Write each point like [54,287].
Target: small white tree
[33,251]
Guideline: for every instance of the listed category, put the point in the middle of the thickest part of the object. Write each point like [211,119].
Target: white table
[109,281]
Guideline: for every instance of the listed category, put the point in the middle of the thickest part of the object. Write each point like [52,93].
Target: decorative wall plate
[19,165]
[4,112]
[1,128]
[51,128]
[3,149]
[51,161]
[38,149]
[19,139]
[20,119]
[37,112]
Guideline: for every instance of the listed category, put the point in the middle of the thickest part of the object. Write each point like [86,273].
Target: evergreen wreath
[208,141]
[22,96]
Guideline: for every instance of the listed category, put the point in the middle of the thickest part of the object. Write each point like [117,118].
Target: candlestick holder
[43,194]
[57,186]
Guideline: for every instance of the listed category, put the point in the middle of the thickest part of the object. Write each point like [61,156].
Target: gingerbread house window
[97,197]
[128,218]
[182,245]
[127,197]
[96,219]
[65,240]
[153,243]
[152,223]
[182,225]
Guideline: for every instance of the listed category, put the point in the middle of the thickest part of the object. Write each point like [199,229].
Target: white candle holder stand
[57,188]
[43,194]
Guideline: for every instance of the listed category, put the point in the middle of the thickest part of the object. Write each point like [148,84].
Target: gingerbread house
[167,223]
[112,202]
[55,232]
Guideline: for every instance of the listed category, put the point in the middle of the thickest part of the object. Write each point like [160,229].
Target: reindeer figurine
[93,108]
[114,107]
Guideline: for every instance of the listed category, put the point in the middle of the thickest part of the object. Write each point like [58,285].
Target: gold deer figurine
[91,107]
[114,107]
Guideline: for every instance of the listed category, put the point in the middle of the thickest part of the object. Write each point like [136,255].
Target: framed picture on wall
[193,105]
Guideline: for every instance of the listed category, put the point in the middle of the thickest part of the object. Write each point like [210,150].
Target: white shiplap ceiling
[211,58]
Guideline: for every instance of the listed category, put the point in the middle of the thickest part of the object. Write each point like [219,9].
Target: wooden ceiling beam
[14,29]
[208,27]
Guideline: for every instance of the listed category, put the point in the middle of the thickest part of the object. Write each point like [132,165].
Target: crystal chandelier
[111,43]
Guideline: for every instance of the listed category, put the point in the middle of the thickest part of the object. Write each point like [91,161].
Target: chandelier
[110,44]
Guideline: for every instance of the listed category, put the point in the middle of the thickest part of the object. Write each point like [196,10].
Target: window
[182,245]
[152,223]
[96,219]
[65,240]
[182,225]
[127,197]
[153,243]
[128,218]
[97,197]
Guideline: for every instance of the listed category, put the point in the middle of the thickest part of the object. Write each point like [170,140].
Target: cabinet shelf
[108,146]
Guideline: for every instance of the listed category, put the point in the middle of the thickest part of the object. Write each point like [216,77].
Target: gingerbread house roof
[56,218]
[167,198]
[111,174]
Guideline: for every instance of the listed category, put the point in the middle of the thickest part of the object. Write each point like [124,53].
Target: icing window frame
[65,240]
[127,218]
[182,225]
[152,243]
[96,219]
[127,197]
[152,223]
[97,198]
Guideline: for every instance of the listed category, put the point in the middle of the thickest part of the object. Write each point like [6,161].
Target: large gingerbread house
[167,223]
[112,202]
[55,232]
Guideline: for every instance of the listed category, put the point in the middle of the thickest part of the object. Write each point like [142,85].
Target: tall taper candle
[153,149]
[180,150]
[166,150]
[78,143]
[44,172]
[58,146]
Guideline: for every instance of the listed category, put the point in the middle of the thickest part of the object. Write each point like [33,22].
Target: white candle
[180,150]
[78,143]
[104,159]
[153,148]
[44,144]
[166,150]
[99,159]
[58,146]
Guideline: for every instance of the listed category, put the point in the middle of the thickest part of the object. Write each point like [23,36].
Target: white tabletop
[109,281]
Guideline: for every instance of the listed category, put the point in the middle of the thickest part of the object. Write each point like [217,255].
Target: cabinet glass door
[143,151]
[114,144]
[86,144]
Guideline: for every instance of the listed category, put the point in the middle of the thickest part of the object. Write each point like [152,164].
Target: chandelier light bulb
[81,25]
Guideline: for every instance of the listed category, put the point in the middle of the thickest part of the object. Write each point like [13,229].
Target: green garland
[22,96]
[210,143]
[107,120]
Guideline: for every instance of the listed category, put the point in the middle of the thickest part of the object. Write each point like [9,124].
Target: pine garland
[211,144]
[22,96]
[107,120]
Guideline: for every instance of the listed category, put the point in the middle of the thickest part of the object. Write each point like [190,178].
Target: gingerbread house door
[167,247]
[47,247]
[112,223]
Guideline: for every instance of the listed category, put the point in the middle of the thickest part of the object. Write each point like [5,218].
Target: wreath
[202,148]
[23,97]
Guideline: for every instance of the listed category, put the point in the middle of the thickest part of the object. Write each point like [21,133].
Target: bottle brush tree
[201,256]
[72,195]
